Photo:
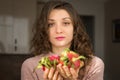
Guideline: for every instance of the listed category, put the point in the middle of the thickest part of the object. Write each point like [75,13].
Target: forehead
[60,13]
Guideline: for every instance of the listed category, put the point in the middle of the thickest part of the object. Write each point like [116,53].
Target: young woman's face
[60,28]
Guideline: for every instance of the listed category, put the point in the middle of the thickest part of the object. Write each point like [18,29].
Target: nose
[59,29]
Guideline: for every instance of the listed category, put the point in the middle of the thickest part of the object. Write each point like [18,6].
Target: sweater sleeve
[96,70]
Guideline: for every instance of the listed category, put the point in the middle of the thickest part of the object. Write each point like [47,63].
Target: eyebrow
[63,18]
[66,18]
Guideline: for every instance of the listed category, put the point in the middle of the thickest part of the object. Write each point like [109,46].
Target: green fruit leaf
[65,51]
[64,58]
[78,58]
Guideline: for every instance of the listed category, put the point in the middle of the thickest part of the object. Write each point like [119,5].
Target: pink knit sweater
[94,71]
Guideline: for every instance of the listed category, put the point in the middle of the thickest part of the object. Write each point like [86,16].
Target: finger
[74,73]
[55,75]
[67,71]
[45,75]
[51,72]
[60,77]
[61,71]
[78,70]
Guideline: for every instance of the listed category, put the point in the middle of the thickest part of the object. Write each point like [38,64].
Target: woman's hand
[52,74]
[68,73]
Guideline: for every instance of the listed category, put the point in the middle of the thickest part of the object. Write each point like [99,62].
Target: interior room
[17,17]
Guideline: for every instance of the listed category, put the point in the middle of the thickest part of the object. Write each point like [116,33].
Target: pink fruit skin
[54,57]
[43,68]
[77,62]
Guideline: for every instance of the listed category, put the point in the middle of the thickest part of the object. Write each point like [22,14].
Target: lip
[60,38]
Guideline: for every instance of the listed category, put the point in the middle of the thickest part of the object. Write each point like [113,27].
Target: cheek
[71,31]
[50,35]
[51,31]
[70,34]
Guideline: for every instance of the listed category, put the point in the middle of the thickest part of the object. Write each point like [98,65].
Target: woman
[57,28]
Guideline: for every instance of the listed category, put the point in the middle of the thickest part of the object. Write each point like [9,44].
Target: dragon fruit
[48,61]
[71,59]
[67,57]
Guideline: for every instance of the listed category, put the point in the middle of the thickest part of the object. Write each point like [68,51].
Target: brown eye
[66,23]
[50,24]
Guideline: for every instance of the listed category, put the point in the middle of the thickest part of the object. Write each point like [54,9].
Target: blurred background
[17,17]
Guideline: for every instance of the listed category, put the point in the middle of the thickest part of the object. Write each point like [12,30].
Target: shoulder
[96,65]
[28,67]
[95,70]
[97,62]
[31,63]
[28,63]
[32,60]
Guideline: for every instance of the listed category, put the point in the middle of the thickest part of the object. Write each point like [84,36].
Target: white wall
[6,23]
[16,19]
